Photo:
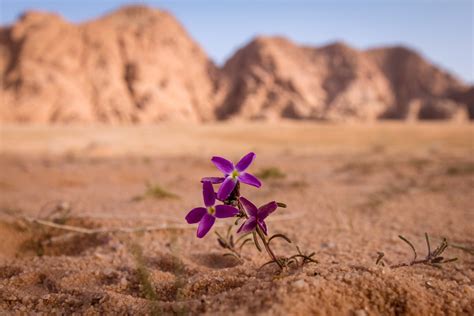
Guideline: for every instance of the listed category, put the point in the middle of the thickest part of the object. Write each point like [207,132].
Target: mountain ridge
[139,65]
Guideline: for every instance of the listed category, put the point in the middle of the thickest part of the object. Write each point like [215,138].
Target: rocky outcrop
[465,97]
[139,65]
[412,78]
[134,65]
[273,77]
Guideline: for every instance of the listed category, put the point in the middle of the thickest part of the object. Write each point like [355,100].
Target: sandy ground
[350,191]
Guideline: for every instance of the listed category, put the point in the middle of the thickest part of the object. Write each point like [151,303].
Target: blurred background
[441,30]
[200,61]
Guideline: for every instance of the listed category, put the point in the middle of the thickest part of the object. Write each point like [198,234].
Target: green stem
[262,237]
[267,247]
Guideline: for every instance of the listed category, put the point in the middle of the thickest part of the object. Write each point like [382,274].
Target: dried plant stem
[432,258]
[422,261]
[463,248]
[90,231]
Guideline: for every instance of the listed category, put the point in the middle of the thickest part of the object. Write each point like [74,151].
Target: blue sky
[442,30]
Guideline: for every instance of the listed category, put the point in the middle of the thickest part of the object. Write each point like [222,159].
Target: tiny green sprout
[271,173]
[155,191]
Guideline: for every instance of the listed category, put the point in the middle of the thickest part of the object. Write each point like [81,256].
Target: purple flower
[256,215]
[206,216]
[233,174]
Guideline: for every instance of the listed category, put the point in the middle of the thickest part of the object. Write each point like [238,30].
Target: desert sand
[350,190]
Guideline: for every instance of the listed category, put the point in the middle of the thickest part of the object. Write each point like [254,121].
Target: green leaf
[255,240]
[221,243]
[279,236]
[450,260]
[241,237]
[231,255]
[244,242]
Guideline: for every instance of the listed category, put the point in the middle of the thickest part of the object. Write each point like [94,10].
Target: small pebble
[123,282]
[299,284]
[328,245]
[360,312]
[108,272]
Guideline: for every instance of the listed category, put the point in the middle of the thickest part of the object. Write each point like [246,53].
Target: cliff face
[135,65]
[414,81]
[273,77]
[138,65]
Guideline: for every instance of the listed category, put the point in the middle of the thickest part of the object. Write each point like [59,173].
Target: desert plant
[271,173]
[432,258]
[155,191]
[243,210]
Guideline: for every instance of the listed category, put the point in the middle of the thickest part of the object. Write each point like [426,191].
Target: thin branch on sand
[84,230]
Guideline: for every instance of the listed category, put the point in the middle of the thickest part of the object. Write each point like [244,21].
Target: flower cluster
[232,204]
[207,215]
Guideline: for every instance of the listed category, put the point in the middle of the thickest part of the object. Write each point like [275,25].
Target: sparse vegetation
[461,169]
[359,167]
[270,173]
[432,258]
[240,208]
[155,191]
[147,288]
[234,247]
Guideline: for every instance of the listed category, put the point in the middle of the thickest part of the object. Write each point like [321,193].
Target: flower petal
[208,194]
[262,226]
[248,225]
[249,179]
[213,180]
[195,215]
[205,225]
[267,209]
[226,188]
[245,162]
[249,206]
[223,164]
[224,211]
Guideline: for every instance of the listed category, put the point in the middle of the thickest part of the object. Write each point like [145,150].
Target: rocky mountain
[273,77]
[420,89]
[139,65]
[134,65]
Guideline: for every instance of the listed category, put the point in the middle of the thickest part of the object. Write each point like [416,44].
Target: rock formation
[134,65]
[139,65]
[273,77]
